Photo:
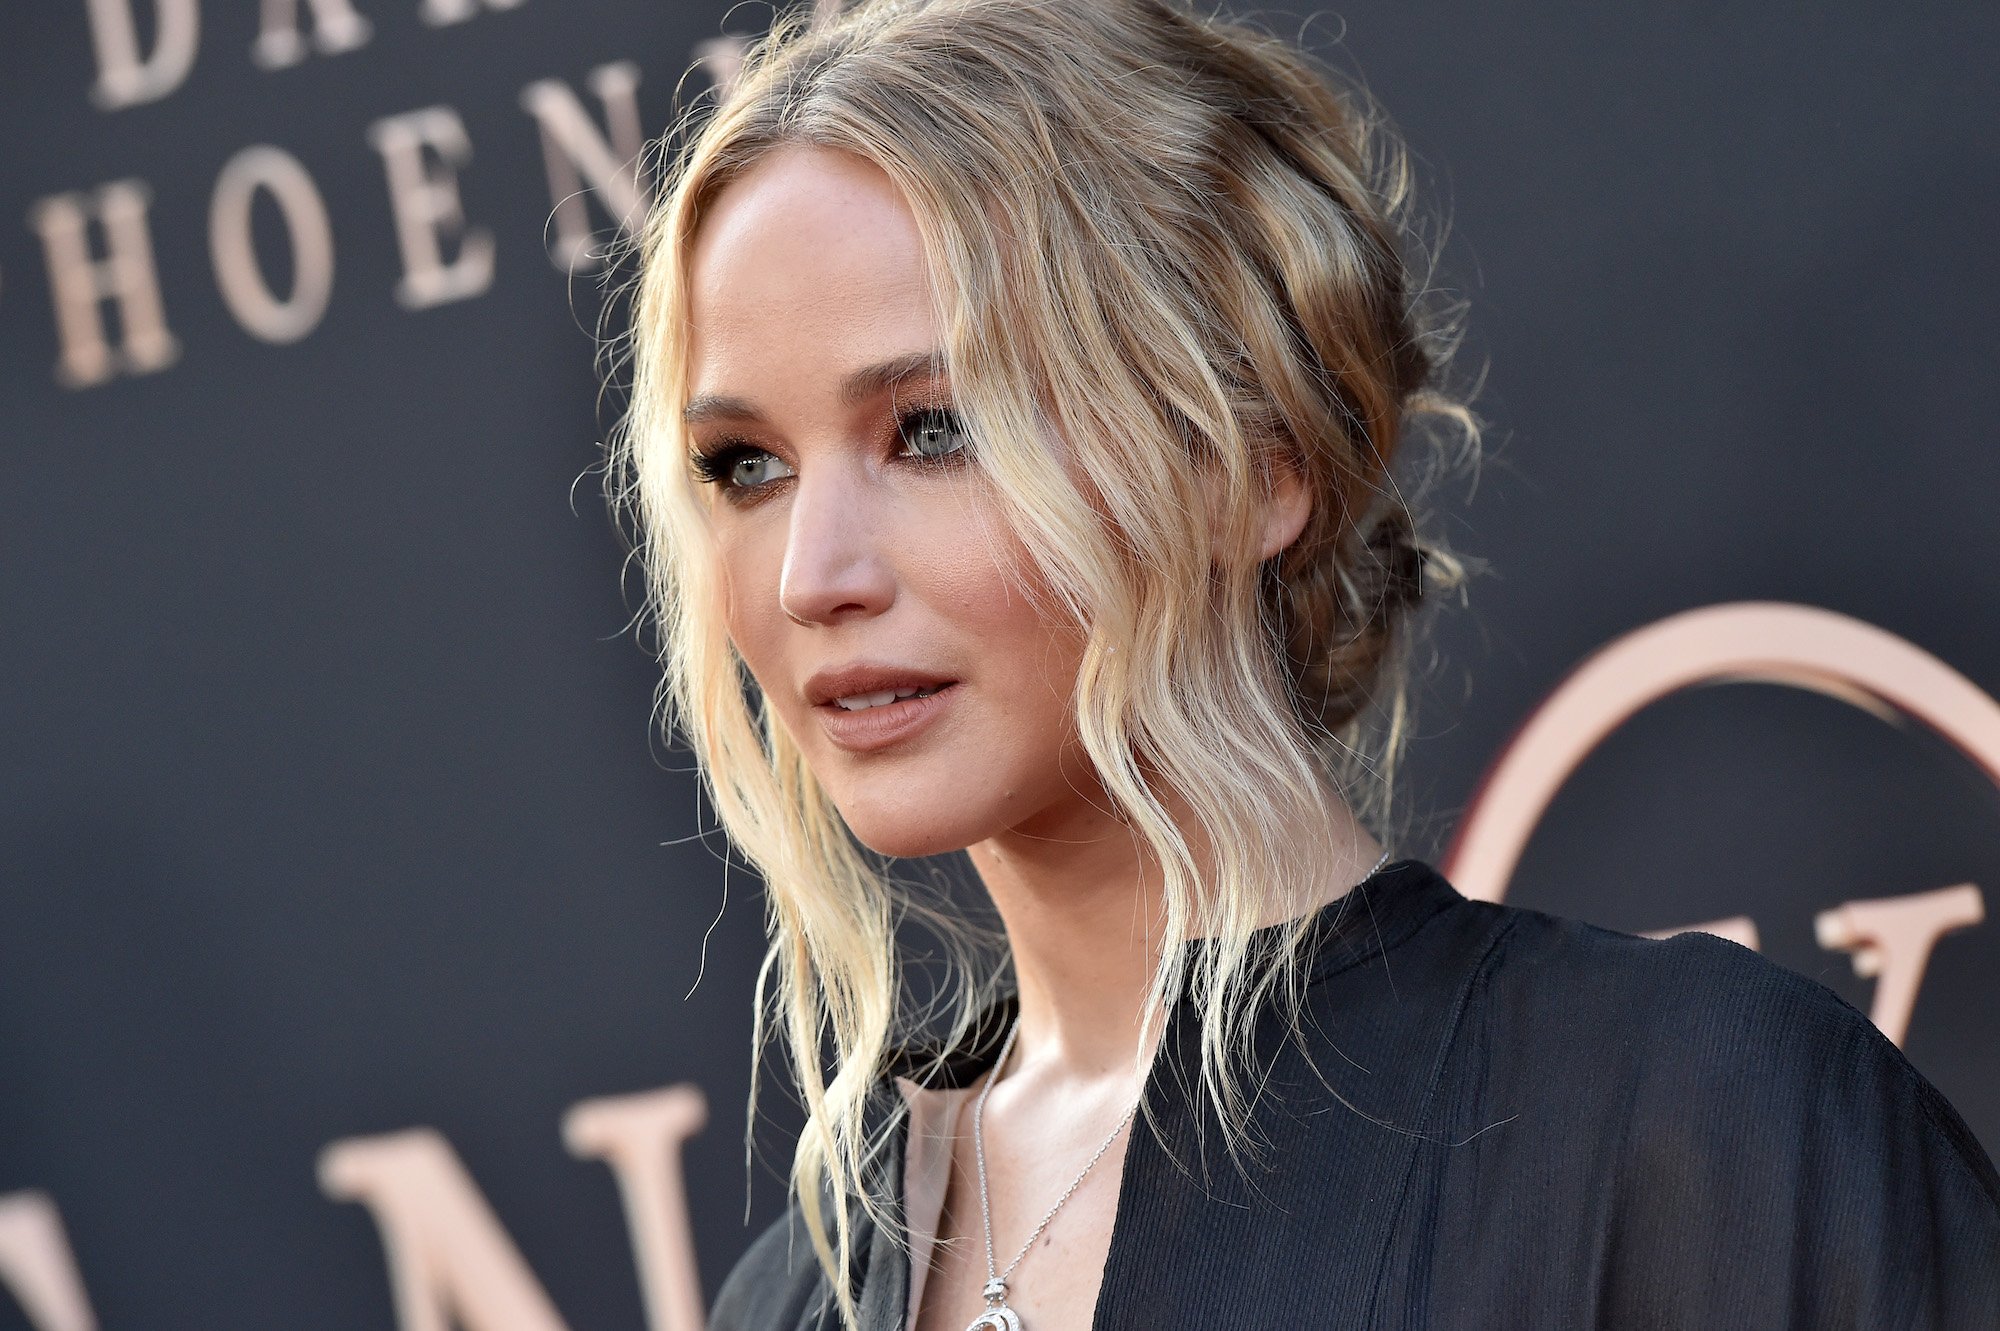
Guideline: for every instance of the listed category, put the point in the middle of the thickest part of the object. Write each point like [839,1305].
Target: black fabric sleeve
[775,1286]
[1787,1167]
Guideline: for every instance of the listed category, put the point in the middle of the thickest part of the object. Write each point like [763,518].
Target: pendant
[998,1316]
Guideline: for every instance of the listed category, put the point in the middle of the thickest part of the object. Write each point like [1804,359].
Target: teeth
[860,702]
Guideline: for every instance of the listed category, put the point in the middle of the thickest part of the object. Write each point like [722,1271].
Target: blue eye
[751,469]
[741,469]
[735,466]
[932,433]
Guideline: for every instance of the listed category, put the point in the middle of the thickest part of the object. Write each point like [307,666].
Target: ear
[1286,508]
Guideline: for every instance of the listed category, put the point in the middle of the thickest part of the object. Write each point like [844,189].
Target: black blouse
[1504,1119]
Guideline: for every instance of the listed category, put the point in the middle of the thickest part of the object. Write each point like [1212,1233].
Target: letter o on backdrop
[238,274]
[1769,642]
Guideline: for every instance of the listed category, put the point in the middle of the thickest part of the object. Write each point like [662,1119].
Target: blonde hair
[1174,242]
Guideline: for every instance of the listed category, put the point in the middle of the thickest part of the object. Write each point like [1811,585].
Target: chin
[909,839]
[895,828]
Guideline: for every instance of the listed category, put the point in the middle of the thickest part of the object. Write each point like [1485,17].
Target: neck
[1083,908]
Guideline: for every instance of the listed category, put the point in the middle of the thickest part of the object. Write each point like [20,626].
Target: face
[870,582]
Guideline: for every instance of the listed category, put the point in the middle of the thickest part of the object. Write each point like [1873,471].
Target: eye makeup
[915,428]
[927,435]
[723,462]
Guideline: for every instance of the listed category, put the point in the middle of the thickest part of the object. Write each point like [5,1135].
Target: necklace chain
[979,1152]
[998,1314]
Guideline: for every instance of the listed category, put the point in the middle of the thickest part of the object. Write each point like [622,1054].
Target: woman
[1019,386]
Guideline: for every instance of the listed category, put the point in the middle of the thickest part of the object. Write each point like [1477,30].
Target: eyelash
[714,463]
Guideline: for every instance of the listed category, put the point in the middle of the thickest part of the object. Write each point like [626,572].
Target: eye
[737,466]
[932,433]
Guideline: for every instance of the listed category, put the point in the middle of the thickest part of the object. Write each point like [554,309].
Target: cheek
[970,568]
[982,577]
[746,596]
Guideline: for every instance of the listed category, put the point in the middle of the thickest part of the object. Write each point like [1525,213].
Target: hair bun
[1337,611]
[1389,575]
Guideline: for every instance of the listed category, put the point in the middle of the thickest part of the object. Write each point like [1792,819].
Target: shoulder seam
[1461,1004]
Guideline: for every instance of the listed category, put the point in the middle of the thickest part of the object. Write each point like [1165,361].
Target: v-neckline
[890,1285]
[1338,940]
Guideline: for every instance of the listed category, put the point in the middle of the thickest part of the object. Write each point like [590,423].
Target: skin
[841,542]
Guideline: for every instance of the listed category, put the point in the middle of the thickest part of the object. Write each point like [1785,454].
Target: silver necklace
[998,1316]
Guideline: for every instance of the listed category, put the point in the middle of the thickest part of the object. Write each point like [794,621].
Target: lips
[915,698]
[861,702]
[863,678]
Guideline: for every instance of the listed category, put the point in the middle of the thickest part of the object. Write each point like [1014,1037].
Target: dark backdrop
[328,802]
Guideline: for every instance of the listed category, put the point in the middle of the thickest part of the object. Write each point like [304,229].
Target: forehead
[811,257]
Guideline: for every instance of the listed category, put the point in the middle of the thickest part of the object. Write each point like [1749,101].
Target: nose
[835,568]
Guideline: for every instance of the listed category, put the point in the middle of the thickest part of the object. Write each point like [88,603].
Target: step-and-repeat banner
[361,963]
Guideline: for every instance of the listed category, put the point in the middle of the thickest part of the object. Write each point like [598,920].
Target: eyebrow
[857,388]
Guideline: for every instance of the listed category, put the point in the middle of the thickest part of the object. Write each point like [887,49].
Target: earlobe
[1286,510]
[1282,513]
